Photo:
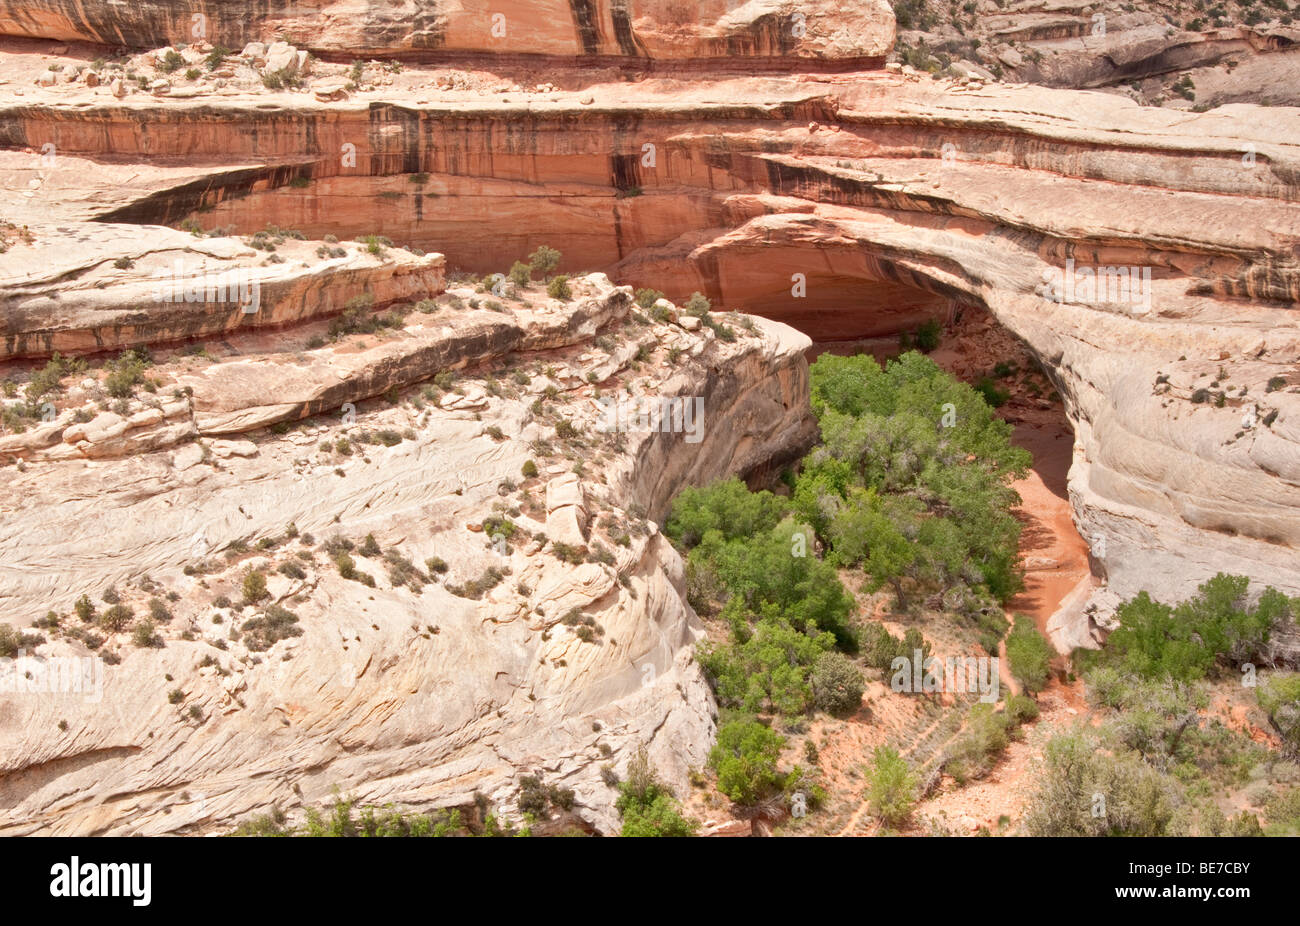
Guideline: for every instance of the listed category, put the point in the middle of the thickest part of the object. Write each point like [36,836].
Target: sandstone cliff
[429,29]
[393,691]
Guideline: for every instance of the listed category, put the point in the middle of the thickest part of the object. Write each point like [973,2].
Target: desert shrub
[646,804]
[216,56]
[984,737]
[646,298]
[254,586]
[1086,791]
[172,60]
[85,608]
[927,336]
[745,758]
[698,305]
[145,634]
[11,641]
[116,618]
[1029,655]
[275,624]
[521,274]
[536,798]
[1021,709]
[557,287]
[1215,629]
[1280,699]
[403,572]
[891,786]
[529,470]
[565,430]
[544,260]
[281,79]
[49,378]
[126,373]
[478,587]
[837,683]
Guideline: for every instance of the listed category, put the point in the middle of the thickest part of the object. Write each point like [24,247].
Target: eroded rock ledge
[423,698]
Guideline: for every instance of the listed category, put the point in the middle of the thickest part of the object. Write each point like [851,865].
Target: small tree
[1030,655]
[544,260]
[891,786]
[116,618]
[144,634]
[521,274]
[254,586]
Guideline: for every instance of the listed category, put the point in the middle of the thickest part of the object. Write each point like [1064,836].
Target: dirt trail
[1054,555]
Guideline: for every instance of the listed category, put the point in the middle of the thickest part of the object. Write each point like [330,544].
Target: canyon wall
[703,30]
[893,201]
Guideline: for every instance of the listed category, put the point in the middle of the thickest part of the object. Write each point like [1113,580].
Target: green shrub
[558,287]
[521,274]
[697,305]
[646,298]
[646,804]
[116,618]
[1029,655]
[984,737]
[544,260]
[745,760]
[1021,709]
[1216,628]
[254,587]
[1280,699]
[145,634]
[837,683]
[928,335]
[1086,791]
[891,786]
[276,623]
[171,61]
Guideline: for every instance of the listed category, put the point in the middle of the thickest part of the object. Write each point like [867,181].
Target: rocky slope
[1185,55]
[415,687]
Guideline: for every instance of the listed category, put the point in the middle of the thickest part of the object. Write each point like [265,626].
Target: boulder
[282,56]
[330,91]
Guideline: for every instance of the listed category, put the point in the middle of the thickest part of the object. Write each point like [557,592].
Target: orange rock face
[591,29]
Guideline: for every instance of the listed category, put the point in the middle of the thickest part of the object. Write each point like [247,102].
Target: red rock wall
[713,30]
